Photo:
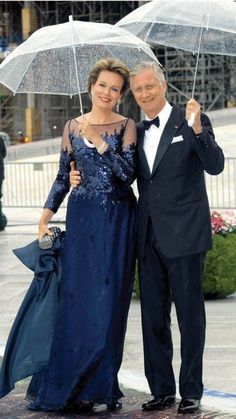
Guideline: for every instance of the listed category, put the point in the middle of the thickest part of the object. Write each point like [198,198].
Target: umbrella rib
[149,30]
[76,69]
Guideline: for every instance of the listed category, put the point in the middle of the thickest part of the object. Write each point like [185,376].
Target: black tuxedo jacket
[174,194]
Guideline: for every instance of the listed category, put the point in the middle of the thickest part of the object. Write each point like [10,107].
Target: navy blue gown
[97,269]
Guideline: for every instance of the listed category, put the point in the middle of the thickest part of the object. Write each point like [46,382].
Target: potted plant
[220,265]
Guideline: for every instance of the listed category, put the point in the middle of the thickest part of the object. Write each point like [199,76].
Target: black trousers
[163,279]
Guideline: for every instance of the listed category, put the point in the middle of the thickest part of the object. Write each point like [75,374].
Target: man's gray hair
[148,65]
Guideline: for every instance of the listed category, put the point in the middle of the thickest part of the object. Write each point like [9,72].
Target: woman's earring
[117,106]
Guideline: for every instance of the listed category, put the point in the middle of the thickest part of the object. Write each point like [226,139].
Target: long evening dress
[98,269]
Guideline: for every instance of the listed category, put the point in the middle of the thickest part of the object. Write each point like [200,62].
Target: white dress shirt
[153,134]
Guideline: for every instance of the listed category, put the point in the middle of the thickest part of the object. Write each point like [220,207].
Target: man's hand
[194,107]
[75,177]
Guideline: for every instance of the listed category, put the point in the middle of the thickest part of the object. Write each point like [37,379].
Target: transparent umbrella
[202,26]
[57,59]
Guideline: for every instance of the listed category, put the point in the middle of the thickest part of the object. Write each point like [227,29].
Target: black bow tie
[155,121]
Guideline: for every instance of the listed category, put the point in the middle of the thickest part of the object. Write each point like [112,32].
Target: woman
[98,259]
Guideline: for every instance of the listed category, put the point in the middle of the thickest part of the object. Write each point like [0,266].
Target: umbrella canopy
[202,26]
[57,59]
[207,26]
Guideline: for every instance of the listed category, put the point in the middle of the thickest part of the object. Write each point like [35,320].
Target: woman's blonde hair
[115,66]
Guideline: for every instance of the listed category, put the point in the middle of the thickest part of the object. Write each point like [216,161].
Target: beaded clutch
[47,241]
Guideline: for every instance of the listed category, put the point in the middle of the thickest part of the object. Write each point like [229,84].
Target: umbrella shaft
[196,67]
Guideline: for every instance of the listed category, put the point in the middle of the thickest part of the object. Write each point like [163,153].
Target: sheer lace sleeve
[123,164]
[61,184]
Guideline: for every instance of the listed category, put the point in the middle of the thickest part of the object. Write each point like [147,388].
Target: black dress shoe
[114,404]
[189,406]
[159,403]
[84,407]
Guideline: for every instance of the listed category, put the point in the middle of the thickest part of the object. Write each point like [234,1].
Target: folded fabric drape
[29,342]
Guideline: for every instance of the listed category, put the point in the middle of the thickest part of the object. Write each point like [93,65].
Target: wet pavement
[14,406]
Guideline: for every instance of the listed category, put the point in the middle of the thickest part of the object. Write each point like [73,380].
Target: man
[174,234]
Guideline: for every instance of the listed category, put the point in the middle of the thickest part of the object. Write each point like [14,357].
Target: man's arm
[207,149]
[210,154]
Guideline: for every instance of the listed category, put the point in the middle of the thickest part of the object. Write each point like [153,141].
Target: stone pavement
[219,399]
[13,406]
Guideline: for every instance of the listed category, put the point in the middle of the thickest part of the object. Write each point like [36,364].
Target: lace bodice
[105,177]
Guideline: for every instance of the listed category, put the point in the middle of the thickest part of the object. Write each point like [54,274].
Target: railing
[222,188]
[28,184]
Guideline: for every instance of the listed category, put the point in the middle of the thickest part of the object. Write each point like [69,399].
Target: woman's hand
[43,229]
[43,222]
[87,131]
[75,177]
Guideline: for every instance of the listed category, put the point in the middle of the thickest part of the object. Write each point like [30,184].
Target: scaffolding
[53,110]
[215,84]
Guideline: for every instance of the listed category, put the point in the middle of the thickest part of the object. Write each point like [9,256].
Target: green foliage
[220,267]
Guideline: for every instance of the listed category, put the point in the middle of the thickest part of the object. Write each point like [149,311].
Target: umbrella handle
[191,119]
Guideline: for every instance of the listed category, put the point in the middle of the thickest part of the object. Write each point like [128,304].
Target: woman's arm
[43,222]
[60,187]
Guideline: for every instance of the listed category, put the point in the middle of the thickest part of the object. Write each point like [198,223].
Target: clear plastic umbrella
[57,59]
[202,26]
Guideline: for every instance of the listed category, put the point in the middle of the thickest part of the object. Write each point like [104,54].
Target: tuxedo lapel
[169,131]
[142,156]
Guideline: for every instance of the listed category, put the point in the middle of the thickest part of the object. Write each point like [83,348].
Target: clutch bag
[47,241]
